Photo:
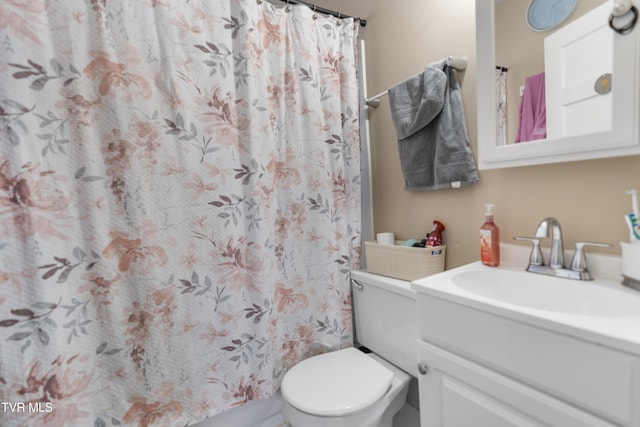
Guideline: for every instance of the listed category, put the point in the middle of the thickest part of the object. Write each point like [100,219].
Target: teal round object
[544,15]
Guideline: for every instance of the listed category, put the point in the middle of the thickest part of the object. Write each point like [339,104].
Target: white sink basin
[540,292]
[601,311]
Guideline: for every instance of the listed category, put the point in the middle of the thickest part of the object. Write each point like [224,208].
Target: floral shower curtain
[179,205]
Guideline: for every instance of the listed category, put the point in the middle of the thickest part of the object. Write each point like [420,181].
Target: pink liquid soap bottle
[489,240]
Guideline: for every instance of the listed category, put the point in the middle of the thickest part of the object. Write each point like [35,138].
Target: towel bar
[457,62]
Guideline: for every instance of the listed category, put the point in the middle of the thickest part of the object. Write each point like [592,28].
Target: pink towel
[533,110]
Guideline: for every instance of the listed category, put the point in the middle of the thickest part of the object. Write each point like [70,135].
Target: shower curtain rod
[316,8]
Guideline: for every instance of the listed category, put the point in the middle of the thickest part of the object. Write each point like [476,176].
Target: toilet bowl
[344,388]
[351,388]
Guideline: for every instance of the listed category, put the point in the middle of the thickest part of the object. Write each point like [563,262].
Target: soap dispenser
[489,239]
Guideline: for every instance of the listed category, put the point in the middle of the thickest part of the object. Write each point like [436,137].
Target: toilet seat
[336,383]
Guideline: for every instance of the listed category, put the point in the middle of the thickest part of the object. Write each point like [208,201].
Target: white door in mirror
[544,15]
[576,57]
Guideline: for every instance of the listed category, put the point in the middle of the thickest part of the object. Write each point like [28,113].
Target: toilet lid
[336,383]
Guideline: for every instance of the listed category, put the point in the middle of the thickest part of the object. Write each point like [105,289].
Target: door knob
[423,369]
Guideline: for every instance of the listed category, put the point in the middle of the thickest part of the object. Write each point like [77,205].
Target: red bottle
[434,238]
[489,240]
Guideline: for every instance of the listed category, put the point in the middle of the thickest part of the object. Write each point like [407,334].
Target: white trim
[366,227]
[256,413]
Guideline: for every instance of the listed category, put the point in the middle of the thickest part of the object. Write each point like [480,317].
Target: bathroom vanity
[505,347]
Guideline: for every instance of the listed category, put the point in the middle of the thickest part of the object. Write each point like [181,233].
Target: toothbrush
[633,218]
[634,201]
[634,228]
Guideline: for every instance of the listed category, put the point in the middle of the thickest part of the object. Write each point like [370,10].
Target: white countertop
[612,327]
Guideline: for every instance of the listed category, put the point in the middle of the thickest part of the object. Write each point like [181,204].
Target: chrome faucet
[578,269]
[556,258]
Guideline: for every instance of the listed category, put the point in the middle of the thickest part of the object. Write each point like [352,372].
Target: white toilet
[350,388]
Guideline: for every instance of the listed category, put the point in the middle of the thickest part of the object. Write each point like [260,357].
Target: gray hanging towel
[433,143]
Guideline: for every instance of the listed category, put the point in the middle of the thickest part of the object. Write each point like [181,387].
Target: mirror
[615,135]
[524,58]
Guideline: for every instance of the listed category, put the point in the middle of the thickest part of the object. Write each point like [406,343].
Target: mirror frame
[622,140]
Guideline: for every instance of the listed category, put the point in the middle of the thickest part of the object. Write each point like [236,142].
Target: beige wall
[587,197]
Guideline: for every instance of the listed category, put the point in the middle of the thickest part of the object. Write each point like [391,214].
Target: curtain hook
[339,21]
[315,15]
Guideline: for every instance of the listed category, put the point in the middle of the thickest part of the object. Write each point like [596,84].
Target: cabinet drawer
[456,392]
[596,378]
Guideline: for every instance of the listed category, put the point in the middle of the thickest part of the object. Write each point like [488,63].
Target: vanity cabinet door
[455,392]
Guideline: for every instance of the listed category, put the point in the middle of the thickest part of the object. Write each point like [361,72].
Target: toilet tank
[386,318]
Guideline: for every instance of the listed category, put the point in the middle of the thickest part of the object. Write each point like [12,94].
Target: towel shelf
[456,62]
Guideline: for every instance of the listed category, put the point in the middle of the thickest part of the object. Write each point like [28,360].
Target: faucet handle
[579,262]
[536,254]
